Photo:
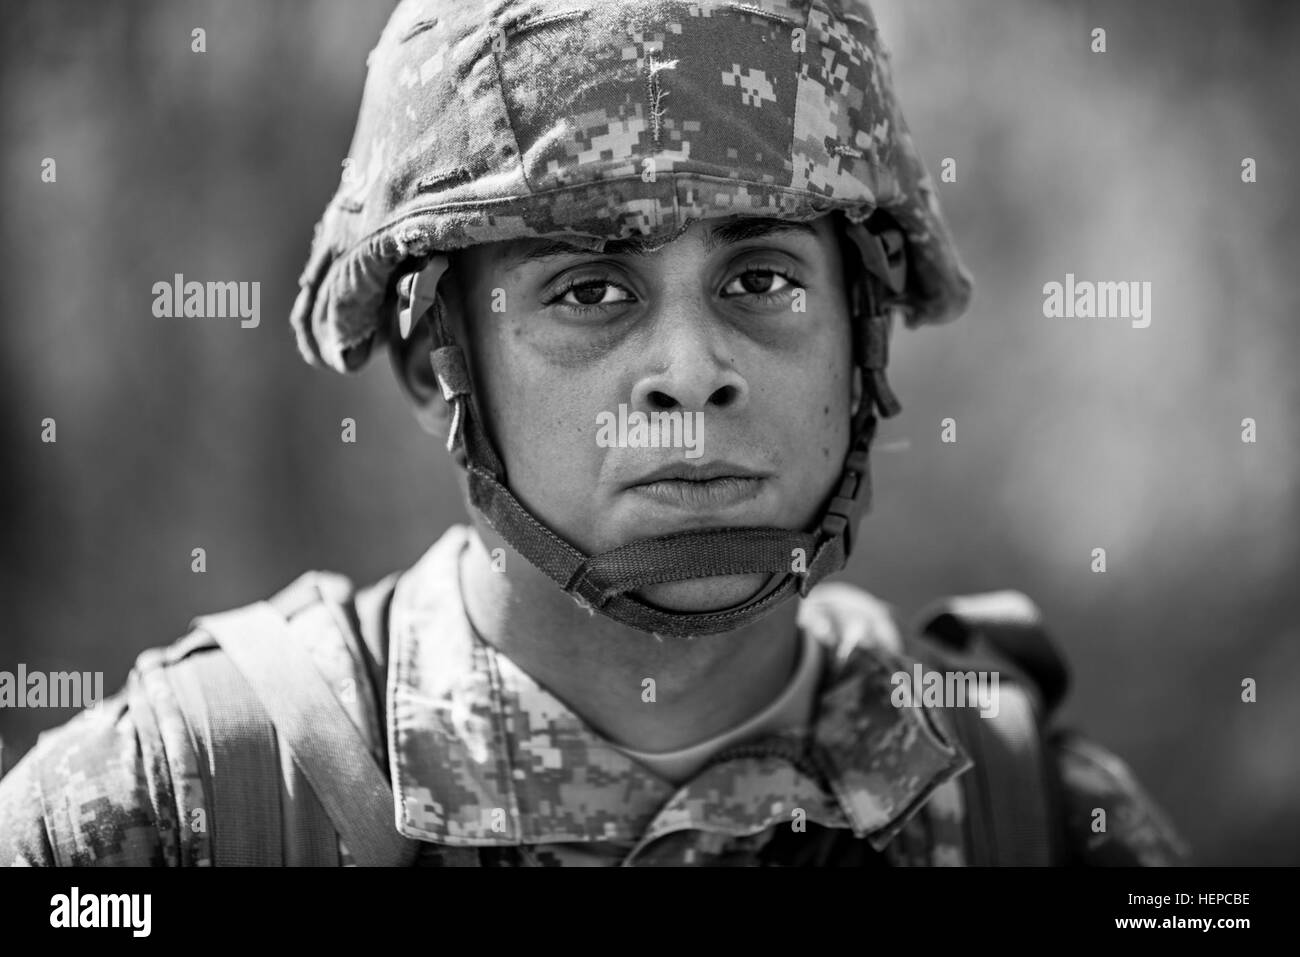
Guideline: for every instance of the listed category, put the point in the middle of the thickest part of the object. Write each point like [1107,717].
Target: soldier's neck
[644,693]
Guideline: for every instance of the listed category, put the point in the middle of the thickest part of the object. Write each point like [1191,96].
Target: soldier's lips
[712,494]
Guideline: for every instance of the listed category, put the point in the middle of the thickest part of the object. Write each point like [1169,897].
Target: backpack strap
[262,710]
[238,760]
[1013,811]
[1004,624]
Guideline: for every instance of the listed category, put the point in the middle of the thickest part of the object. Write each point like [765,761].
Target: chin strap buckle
[841,514]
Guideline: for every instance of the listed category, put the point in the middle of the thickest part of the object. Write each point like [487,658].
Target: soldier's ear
[414,372]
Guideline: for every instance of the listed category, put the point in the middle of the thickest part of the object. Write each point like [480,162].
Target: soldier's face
[738,329]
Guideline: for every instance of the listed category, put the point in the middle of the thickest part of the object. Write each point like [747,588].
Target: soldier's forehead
[715,233]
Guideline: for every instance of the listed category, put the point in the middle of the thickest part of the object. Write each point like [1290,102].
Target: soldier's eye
[588,295]
[767,283]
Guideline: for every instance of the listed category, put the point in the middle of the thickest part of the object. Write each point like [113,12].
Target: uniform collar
[480,754]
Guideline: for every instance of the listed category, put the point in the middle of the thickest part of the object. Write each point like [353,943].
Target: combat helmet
[595,120]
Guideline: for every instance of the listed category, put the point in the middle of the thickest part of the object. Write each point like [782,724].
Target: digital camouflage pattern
[609,119]
[489,769]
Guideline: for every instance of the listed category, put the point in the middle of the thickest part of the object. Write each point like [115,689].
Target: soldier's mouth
[711,493]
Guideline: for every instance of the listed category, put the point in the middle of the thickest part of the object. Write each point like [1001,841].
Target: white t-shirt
[792,708]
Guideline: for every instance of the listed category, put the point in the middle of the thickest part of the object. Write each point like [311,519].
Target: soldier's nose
[693,380]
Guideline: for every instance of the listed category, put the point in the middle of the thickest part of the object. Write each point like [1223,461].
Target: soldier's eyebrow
[724,234]
[753,227]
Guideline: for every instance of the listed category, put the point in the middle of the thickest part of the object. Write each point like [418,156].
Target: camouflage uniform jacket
[488,768]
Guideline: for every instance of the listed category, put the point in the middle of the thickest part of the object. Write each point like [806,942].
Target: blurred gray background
[1072,434]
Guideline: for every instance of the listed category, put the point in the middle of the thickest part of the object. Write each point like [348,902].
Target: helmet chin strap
[605,582]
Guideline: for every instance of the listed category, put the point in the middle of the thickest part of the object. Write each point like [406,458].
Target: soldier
[637,264]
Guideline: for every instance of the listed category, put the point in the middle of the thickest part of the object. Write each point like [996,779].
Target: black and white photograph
[647,433]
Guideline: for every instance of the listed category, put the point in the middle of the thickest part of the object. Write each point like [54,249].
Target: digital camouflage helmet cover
[594,120]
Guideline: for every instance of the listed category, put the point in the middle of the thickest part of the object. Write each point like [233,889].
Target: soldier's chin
[703,594]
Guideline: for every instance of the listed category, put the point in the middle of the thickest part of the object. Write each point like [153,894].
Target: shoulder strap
[1011,794]
[265,689]
[239,763]
[324,742]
